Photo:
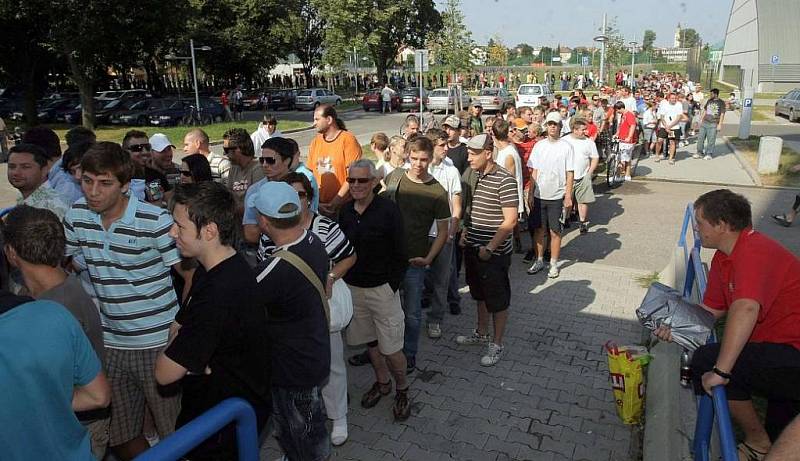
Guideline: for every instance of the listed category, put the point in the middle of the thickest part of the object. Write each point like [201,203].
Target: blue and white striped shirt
[129,267]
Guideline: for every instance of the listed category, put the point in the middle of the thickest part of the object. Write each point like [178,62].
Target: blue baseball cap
[272,196]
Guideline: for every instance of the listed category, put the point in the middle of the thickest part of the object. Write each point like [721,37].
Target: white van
[529,94]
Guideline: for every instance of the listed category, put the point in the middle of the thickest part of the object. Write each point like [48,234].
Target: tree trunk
[85,84]
[307,73]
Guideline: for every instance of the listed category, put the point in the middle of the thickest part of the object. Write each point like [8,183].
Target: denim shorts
[299,418]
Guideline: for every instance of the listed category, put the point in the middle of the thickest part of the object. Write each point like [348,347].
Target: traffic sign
[421,60]
[556,59]
[584,61]
[748,102]
[775,59]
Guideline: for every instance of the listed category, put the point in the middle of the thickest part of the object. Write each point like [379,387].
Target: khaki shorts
[377,315]
[584,193]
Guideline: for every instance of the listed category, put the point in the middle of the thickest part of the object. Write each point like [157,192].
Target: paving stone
[394,447]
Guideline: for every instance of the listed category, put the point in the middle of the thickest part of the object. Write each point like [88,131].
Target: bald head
[196,141]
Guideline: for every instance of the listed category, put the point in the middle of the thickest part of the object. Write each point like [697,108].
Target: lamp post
[602,39]
[633,45]
[192,48]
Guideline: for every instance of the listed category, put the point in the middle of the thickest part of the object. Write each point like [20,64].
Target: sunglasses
[229,150]
[358,180]
[302,194]
[186,173]
[267,160]
[140,147]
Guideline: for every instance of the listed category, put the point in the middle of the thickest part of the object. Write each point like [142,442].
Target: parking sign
[775,59]
[748,102]
[584,61]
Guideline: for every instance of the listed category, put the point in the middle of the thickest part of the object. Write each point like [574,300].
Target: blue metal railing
[707,406]
[206,425]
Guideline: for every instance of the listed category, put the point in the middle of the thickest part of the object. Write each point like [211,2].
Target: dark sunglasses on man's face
[140,147]
[358,180]
[229,150]
[267,160]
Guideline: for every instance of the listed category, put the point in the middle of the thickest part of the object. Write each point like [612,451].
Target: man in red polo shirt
[756,282]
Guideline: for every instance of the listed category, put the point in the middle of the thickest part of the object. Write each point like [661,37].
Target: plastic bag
[341,306]
[690,324]
[625,369]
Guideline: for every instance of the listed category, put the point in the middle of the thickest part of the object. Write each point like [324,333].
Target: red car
[372,100]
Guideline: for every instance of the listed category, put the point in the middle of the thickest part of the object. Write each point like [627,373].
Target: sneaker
[339,432]
[781,219]
[584,227]
[411,365]
[434,331]
[553,272]
[696,156]
[492,356]
[707,157]
[529,255]
[671,162]
[658,158]
[472,340]
[627,178]
[536,267]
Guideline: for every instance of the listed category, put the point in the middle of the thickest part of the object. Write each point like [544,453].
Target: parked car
[409,98]
[251,100]
[444,99]
[373,100]
[311,98]
[138,113]
[113,107]
[493,99]
[212,111]
[789,105]
[528,94]
[281,99]
[46,109]
[172,115]
[122,94]
[11,104]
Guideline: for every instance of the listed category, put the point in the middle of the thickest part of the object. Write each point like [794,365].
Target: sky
[575,23]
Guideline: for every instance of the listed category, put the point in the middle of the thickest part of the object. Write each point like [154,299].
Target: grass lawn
[763,114]
[366,152]
[789,158]
[176,134]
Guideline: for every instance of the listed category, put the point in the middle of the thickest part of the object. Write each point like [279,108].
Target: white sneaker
[696,156]
[474,339]
[707,157]
[627,178]
[339,432]
[553,272]
[536,267]
[492,356]
[434,330]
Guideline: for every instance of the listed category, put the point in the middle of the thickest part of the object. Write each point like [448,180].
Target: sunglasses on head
[358,180]
[229,150]
[140,147]
[267,160]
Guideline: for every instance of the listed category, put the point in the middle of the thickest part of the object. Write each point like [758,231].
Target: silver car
[444,99]
[493,99]
[789,105]
[312,98]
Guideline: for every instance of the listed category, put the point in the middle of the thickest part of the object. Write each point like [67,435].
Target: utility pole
[602,38]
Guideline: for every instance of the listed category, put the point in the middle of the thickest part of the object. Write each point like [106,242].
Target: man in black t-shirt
[300,348]
[219,347]
[456,150]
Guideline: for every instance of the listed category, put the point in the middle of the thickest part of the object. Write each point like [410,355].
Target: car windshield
[489,92]
[138,105]
[438,93]
[304,93]
[528,90]
[176,105]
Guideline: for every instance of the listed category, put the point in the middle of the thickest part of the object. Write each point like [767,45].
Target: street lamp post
[192,48]
[602,38]
[633,62]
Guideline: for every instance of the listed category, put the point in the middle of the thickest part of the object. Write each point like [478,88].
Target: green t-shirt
[420,204]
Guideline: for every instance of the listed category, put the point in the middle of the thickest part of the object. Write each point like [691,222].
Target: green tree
[524,50]
[545,55]
[303,32]
[648,39]
[615,46]
[452,45]
[497,52]
[383,25]
[690,38]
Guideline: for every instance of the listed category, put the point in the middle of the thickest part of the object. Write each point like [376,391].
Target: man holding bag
[756,282]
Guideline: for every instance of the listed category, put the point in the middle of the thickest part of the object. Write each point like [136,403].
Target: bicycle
[613,162]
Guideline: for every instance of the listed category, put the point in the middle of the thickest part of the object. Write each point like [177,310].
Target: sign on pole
[748,102]
[775,59]
[556,59]
[585,61]
[421,60]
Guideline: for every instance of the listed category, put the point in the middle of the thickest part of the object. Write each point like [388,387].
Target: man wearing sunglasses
[147,183]
[245,169]
[276,160]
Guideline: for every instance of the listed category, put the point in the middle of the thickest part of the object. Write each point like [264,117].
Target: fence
[707,406]
[207,424]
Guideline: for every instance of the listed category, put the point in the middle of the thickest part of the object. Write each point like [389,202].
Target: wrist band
[721,373]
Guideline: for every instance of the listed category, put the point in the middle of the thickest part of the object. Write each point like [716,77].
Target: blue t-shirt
[44,355]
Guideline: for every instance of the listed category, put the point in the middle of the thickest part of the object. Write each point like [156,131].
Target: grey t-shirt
[71,295]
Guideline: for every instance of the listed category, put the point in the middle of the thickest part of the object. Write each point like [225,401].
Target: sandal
[781,219]
[402,406]
[373,396]
[359,360]
[750,453]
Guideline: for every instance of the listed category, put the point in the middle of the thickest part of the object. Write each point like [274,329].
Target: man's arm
[570,186]
[510,215]
[456,218]
[96,394]
[437,245]
[742,318]
[167,370]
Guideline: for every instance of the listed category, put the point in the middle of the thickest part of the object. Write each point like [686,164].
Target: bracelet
[721,373]
[332,276]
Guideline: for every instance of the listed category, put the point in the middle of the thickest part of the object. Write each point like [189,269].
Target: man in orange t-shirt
[329,155]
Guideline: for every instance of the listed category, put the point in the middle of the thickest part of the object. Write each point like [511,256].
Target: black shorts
[765,369]
[664,134]
[488,280]
[546,213]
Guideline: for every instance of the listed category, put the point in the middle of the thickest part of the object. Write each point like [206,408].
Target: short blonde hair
[397,141]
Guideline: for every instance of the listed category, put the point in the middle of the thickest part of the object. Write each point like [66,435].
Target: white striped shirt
[336,244]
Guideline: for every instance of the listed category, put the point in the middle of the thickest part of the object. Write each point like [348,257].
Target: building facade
[761,48]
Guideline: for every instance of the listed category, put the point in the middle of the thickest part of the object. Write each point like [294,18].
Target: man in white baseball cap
[161,160]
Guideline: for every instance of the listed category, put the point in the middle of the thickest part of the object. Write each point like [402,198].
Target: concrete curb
[745,164]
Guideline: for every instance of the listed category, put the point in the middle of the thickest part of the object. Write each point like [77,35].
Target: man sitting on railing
[756,282]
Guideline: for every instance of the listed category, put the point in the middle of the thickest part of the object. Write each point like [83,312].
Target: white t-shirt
[551,160]
[584,151]
[670,112]
[260,135]
[630,103]
[448,177]
[502,155]
[649,118]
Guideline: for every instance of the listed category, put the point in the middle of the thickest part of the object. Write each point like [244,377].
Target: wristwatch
[332,276]
[721,373]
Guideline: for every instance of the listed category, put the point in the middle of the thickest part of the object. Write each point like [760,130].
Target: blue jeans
[453,296]
[437,281]
[413,284]
[299,417]
[706,135]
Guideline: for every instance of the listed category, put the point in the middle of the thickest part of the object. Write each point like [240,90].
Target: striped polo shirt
[129,267]
[495,191]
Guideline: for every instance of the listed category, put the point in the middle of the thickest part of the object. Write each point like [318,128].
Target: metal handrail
[717,404]
[204,426]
